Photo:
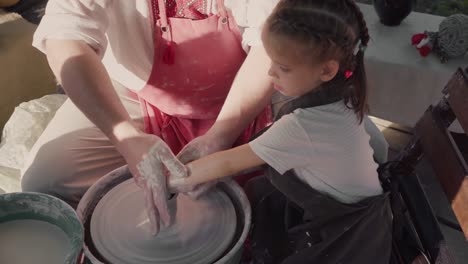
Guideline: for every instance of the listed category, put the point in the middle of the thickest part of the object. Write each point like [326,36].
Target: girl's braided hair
[330,29]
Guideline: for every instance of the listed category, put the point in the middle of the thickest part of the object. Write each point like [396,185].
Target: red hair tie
[348,74]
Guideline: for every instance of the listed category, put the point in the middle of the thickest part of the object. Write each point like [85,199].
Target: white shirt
[326,147]
[121,33]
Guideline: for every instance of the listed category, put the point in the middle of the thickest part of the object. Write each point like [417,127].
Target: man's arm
[250,92]
[87,83]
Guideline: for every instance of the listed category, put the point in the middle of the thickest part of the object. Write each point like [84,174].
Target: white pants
[71,154]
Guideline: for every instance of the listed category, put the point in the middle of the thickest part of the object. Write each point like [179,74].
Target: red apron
[194,65]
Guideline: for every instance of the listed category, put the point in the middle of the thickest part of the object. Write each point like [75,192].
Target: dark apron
[294,223]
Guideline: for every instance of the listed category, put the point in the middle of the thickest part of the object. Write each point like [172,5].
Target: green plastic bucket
[43,207]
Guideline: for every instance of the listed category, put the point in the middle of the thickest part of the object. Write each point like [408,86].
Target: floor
[398,136]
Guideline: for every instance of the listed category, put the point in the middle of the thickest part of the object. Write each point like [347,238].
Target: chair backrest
[440,148]
[415,218]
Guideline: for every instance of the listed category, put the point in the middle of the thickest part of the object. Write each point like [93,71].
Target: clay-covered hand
[195,149]
[151,161]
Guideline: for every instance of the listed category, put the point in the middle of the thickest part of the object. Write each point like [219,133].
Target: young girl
[321,200]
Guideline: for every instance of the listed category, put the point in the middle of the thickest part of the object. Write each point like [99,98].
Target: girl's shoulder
[330,119]
[335,111]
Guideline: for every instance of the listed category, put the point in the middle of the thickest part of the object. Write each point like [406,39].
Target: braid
[363,30]
[357,95]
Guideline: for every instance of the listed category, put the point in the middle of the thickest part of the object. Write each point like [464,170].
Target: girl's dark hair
[332,29]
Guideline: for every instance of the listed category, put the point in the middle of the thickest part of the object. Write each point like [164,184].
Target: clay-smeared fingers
[188,153]
[160,199]
[152,212]
[173,165]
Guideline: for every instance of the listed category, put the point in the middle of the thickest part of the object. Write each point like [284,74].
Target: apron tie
[168,56]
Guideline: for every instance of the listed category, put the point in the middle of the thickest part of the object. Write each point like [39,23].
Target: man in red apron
[187,87]
[196,58]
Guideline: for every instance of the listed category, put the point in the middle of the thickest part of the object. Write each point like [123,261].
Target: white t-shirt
[121,32]
[326,147]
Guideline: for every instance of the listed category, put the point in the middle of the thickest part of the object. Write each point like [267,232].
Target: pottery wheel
[201,233]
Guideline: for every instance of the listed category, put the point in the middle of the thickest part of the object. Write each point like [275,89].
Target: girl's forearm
[219,165]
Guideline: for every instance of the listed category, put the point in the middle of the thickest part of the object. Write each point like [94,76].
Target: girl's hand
[151,161]
[204,172]
[195,149]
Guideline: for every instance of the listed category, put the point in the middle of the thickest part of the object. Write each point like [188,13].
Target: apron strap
[165,28]
[321,96]
[162,15]
[221,8]
[168,55]
[163,18]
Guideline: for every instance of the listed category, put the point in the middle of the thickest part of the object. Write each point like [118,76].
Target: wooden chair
[417,234]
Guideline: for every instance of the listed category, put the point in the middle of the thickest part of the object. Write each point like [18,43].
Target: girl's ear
[329,70]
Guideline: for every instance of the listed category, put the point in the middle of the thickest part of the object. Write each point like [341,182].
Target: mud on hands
[196,149]
[154,169]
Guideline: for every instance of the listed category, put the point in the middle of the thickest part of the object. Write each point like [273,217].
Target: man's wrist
[124,132]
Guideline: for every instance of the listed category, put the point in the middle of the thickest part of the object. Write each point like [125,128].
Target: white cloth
[24,127]
[326,147]
[402,84]
[121,32]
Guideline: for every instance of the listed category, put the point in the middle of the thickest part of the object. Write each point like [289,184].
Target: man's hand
[151,162]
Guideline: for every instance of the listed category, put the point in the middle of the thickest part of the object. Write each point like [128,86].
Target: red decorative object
[348,74]
[423,43]
[425,50]
[418,38]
